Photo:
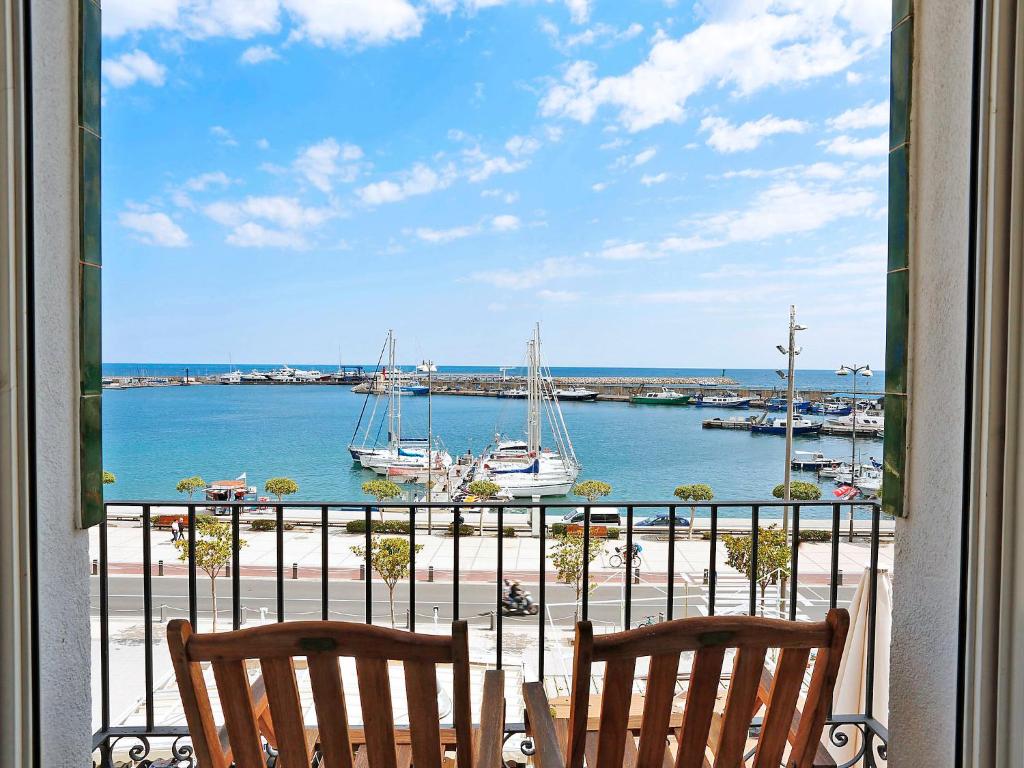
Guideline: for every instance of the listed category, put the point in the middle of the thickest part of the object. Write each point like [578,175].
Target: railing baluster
[670,604]
[279,510]
[193,599]
[627,618]
[793,577]
[586,560]
[147,604]
[457,536]
[367,572]
[712,560]
[869,696]
[104,576]
[833,582]
[755,533]
[501,579]
[412,570]
[541,585]
[325,603]
[236,570]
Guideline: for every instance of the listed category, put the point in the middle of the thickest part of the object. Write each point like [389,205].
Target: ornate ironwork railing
[135,741]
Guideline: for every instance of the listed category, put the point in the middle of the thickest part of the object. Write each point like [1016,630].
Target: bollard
[95,567]
[227,571]
[163,618]
[661,617]
[241,617]
[491,614]
[430,574]
[263,615]
[407,618]
[705,577]
[159,567]
[362,572]
[636,575]
[839,578]
[295,570]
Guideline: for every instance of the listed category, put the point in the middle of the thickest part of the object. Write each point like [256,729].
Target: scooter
[523,606]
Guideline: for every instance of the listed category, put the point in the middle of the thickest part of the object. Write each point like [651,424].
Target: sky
[655,181]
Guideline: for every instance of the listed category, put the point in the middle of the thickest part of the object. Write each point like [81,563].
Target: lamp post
[855,371]
[791,352]
[428,367]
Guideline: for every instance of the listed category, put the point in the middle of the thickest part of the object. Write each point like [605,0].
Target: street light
[428,367]
[855,371]
[791,352]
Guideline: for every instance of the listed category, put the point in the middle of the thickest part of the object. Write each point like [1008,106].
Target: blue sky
[654,181]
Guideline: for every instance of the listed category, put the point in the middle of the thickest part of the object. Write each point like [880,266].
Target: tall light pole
[854,370]
[791,352]
[428,367]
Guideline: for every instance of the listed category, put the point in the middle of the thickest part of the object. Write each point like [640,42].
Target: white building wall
[63,549]
[927,555]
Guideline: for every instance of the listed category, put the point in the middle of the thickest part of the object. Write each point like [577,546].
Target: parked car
[661,520]
[601,516]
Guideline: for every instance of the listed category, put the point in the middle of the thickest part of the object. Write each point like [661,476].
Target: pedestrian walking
[175,530]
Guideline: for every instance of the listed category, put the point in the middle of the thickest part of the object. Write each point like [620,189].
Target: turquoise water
[155,436]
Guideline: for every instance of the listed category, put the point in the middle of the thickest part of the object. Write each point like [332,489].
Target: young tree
[485,490]
[109,478]
[567,555]
[389,557]
[772,557]
[190,485]
[213,552]
[281,487]
[592,490]
[798,491]
[381,490]
[695,492]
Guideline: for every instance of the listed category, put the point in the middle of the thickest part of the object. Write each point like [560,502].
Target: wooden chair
[271,707]
[750,686]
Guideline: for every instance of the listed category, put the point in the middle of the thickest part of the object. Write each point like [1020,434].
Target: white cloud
[286,212]
[205,180]
[727,137]
[480,166]
[253,235]
[644,157]
[522,145]
[419,180]
[445,235]
[617,143]
[769,43]
[635,251]
[257,54]
[861,148]
[649,181]
[600,186]
[505,223]
[319,163]
[554,133]
[193,18]
[154,228]
[223,135]
[262,144]
[358,22]
[605,34]
[865,116]
[579,10]
[535,275]
[507,197]
[129,68]
[558,296]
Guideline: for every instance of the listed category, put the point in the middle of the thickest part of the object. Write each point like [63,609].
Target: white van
[598,516]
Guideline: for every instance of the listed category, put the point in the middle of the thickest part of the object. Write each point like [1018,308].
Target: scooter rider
[515,594]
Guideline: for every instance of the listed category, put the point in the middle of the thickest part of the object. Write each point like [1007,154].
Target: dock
[735,423]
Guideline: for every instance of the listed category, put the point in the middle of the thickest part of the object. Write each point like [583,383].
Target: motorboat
[662,396]
[867,477]
[832,406]
[284,374]
[726,400]
[253,376]
[814,461]
[306,376]
[575,394]
[517,393]
[413,389]
[231,377]
[801,426]
[782,404]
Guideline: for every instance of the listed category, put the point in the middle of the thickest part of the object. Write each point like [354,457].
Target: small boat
[253,376]
[232,377]
[814,461]
[801,426]
[663,396]
[412,389]
[832,406]
[866,478]
[782,403]
[576,394]
[727,400]
[517,393]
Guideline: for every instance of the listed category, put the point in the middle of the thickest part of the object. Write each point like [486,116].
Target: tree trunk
[213,599]
[693,514]
[391,601]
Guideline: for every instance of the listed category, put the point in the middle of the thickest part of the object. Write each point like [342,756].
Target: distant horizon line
[469,365]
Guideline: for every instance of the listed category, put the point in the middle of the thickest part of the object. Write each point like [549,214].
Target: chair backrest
[321,643]
[708,638]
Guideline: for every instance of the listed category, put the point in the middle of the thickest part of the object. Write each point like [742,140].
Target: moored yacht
[578,394]
[801,426]
[662,396]
[726,400]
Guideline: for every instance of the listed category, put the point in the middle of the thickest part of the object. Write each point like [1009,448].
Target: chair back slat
[286,709]
[746,677]
[789,677]
[579,696]
[700,706]
[710,638]
[378,720]
[329,700]
[661,689]
[421,694]
[618,690]
[239,712]
[271,708]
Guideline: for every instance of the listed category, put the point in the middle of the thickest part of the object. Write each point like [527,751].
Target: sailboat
[526,469]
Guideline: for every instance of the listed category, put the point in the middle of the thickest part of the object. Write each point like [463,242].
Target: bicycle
[618,559]
[648,621]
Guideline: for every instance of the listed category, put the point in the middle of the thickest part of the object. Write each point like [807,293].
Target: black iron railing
[137,740]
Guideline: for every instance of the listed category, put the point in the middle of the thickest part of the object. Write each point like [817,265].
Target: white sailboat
[526,469]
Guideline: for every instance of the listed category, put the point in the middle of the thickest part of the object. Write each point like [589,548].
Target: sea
[154,436]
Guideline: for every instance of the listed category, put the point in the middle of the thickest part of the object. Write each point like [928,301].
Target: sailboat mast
[398,405]
[390,382]
[534,394]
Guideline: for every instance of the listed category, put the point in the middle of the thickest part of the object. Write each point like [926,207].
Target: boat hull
[770,429]
[639,400]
